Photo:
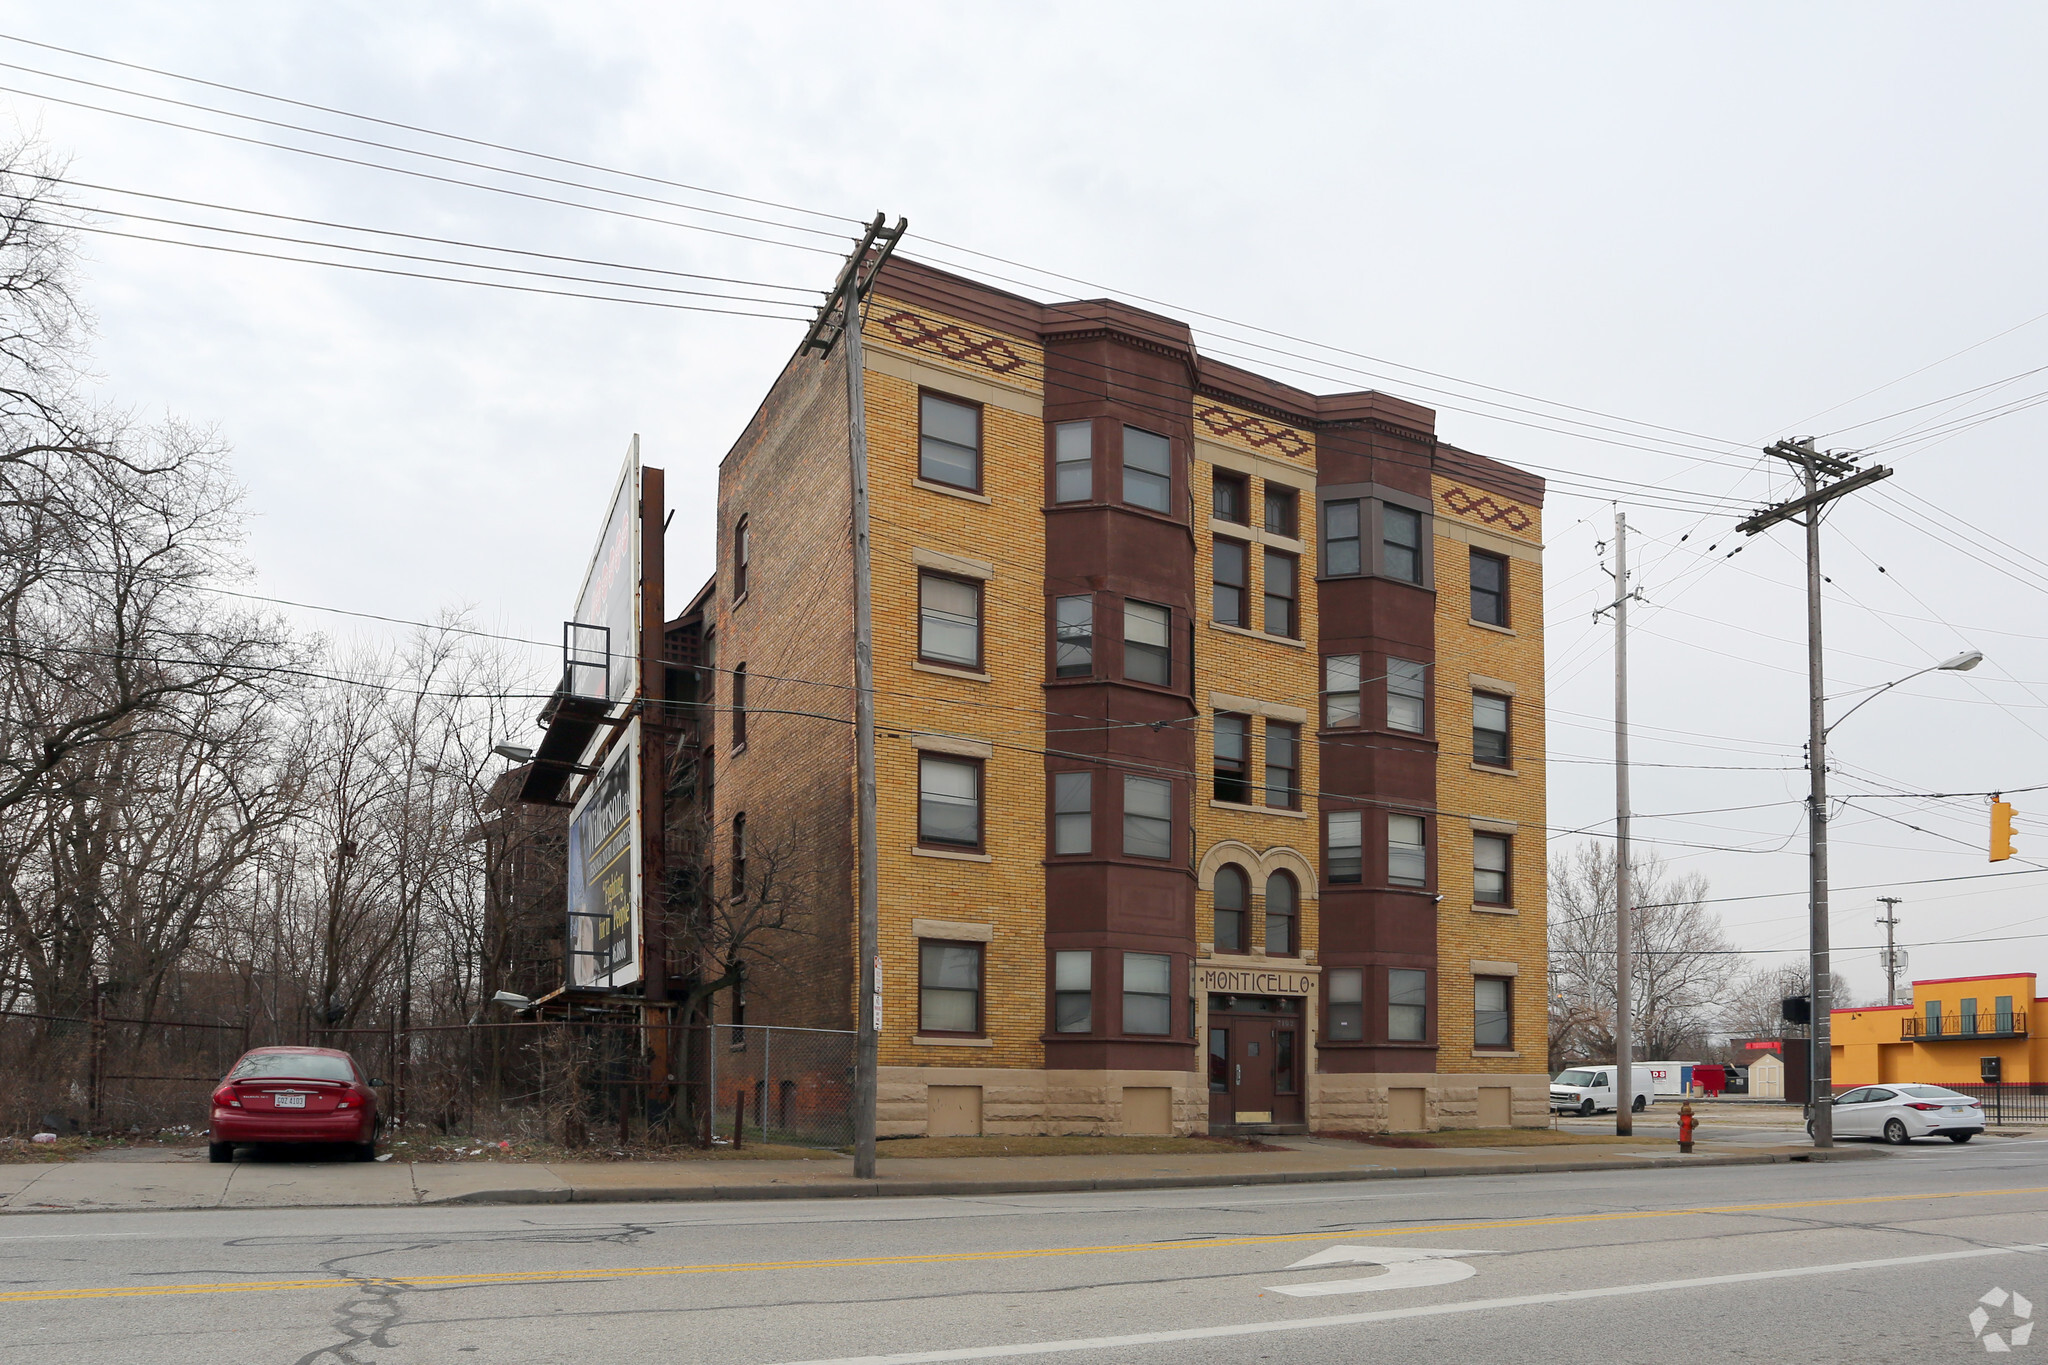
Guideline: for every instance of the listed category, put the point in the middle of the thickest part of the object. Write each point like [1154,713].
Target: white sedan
[1900,1113]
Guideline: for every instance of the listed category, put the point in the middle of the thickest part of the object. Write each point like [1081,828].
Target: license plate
[289,1101]
[1955,1109]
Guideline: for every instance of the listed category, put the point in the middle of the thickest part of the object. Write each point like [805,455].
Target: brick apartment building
[1210,729]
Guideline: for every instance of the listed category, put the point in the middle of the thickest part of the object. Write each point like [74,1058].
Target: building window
[1232,570]
[1231,765]
[1148,817]
[1492,1020]
[1407,689]
[1489,588]
[949,441]
[1148,993]
[1345,858]
[1490,869]
[1148,651]
[1073,456]
[739,706]
[1280,595]
[1401,543]
[1148,470]
[1490,729]
[1073,992]
[1345,990]
[1340,689]
[949,801]
[1341,541]
[1407,856]
[739,854]
[1407,1005]
[1282,514]
[948,620]
[949,979]
[1233,499]
[1283,765]
[1073,812]
[1231,892]
[1281,906]
[740,555]
[1073,637]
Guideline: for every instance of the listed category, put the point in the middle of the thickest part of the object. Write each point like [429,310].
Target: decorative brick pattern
[983,350]
[1254,433]
[1485,508]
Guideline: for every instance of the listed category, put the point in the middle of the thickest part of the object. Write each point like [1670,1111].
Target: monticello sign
[1252,981]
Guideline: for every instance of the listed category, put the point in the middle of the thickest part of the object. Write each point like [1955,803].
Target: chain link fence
[575,1082]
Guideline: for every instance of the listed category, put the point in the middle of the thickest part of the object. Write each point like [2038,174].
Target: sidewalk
[183,1179]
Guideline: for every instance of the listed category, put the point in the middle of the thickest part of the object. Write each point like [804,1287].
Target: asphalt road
[1864,1261]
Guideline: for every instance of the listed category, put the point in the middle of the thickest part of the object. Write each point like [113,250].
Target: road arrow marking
[1406,1268]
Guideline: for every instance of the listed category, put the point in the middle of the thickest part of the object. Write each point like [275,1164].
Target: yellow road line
[511,1277]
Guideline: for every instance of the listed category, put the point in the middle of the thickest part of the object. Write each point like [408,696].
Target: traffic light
[2001,830]
[1796,1009]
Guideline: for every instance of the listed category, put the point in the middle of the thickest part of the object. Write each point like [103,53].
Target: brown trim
[1292,596]
[1274,494]
[739,707]
[1293,948]
[1453,462]
[980,437]
[980,663]
[980,1029]
[1509,1045]
[1507,762]
[742,555]
[1242,483]
[1243,586]
[1292,791]
[980,844]
[1507,899]
[1506,620]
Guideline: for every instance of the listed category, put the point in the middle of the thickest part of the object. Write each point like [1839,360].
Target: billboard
[604,634]
[604,872]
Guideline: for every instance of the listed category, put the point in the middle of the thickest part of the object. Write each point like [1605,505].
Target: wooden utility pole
[841,317]
[1813,465]
[1624,901]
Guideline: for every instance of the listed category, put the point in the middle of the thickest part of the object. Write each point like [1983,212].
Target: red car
[294,1095]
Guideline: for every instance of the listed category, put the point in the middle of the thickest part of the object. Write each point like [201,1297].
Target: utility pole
[1813,465]
[1624,947]
[840,316]
[1891,954]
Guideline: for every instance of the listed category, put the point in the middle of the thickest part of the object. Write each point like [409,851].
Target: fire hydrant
[1686,1123]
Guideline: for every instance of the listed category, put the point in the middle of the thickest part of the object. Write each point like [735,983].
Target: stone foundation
[1061,1103]
[1361,1102]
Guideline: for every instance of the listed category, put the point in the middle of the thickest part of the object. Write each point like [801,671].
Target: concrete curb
[863,1189]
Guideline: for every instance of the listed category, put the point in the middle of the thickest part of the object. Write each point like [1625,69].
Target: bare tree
[1680,968]
[1755,1000]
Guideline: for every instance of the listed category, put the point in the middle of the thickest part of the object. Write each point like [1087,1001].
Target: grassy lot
[71,1148]
[1063,1146]
[446,1149]
[1493,1137]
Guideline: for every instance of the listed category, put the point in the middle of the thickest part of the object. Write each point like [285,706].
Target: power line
[445,279]
[429,132]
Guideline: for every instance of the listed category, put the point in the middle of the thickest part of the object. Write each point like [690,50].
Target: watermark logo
[2016,1332]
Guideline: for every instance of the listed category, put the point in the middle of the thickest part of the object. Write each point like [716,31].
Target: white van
[1586,1090]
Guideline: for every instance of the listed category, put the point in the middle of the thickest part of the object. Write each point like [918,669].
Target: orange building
[1942,1038]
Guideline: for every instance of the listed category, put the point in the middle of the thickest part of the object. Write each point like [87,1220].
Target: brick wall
[1470,516]
[788,474]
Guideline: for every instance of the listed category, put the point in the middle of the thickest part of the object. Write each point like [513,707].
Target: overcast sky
[1701,228]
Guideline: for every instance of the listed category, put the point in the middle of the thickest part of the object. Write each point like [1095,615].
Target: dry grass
[1491,1137]
[76,1146]
[1065,1146]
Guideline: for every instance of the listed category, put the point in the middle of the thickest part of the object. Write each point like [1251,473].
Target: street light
[1820,1060]
[1961,663]
[516,752]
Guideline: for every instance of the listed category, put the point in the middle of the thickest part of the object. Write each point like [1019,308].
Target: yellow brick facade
[1001,888]
[1471,656]
[997,536]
